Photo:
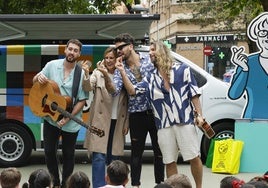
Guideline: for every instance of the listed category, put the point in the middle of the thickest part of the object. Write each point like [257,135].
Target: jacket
[100,116]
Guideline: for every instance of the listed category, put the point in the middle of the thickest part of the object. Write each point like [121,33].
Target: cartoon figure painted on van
[251,74]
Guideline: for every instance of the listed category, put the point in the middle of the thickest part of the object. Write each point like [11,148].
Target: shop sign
[206,38]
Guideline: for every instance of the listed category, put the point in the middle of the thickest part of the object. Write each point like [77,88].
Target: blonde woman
[107,113]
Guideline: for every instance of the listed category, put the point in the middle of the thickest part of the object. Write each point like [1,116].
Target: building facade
[208,47]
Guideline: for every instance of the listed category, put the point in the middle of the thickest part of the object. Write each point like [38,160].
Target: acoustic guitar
[46,100]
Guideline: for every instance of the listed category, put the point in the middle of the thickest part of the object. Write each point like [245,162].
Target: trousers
[51,142]
[100,160]
[140,124]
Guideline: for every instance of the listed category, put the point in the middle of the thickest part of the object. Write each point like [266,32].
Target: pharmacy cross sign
[221,55]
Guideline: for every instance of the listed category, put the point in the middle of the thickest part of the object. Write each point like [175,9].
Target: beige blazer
[100,116]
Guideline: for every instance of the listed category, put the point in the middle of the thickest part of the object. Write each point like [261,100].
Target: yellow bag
[226,156]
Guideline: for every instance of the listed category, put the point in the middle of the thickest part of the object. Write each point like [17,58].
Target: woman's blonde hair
[164,60]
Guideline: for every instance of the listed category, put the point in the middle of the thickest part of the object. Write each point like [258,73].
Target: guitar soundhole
[54,106]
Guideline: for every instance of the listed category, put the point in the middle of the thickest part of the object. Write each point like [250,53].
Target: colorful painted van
[20,129]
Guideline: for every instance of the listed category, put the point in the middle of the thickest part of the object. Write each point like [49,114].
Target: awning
[81,26]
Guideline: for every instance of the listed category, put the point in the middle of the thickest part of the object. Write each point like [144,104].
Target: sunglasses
[122,46]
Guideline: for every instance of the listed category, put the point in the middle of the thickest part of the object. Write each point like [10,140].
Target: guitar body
[42,95]
[46,100]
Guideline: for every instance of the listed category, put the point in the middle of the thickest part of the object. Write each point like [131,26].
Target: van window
[200,79]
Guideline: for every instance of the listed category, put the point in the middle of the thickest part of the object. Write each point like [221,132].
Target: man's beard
[122,56]
[70,59]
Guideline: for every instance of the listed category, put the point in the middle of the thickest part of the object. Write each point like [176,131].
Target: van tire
[222,130]
[15,145]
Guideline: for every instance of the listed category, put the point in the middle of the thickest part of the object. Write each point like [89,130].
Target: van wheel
[222,130]
[15,145]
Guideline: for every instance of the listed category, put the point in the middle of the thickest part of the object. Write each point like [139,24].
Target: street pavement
[210,180]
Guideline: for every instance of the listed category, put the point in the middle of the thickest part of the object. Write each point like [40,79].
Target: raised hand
[86,66]
[119,64]
[239,58]
[101,67]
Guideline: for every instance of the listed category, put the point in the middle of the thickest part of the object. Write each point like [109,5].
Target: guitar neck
[77,120]
[69,115]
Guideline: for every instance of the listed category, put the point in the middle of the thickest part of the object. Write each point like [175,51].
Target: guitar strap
[76,82]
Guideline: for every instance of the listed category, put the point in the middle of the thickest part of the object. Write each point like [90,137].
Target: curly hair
[125,37]
[164,60]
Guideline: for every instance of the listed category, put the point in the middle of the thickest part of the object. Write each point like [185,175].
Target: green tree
[60,6]
[229,15]
[228,12]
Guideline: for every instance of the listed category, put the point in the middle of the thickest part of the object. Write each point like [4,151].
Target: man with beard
[62,72]
[141,118]
[174,95]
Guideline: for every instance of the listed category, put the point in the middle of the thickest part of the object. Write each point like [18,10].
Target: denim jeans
[51,140]
[98,169]
[99,160]
[140,124]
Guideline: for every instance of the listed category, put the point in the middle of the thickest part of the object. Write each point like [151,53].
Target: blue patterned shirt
[174,106]
[139,102]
